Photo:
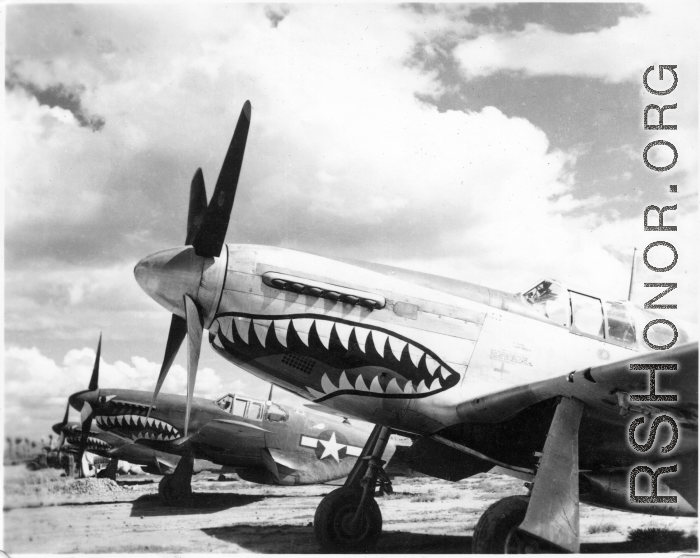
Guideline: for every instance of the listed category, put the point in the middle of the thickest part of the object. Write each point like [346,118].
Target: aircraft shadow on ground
[150,505]
[295,539]
[661,544]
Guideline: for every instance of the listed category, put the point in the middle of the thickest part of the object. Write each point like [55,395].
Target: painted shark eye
[103,399]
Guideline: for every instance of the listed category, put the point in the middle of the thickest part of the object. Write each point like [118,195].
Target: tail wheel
[333,522]
[497,524]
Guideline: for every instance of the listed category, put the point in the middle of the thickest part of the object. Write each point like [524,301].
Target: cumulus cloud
[613,54]
[607,53]
[62,96]
[343,158]
[37,387]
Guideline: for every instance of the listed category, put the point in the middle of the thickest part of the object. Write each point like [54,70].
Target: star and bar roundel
[330,445]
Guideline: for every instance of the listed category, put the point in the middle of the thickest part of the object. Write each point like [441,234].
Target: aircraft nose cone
[169,275]
[57,427]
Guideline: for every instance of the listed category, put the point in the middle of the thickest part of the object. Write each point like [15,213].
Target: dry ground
[44,513]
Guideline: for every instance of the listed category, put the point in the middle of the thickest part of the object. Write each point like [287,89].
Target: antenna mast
[634,256]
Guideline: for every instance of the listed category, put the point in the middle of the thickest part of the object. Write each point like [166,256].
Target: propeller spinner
[186,280]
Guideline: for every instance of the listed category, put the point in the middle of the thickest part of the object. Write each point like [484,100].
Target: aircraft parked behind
[263,441]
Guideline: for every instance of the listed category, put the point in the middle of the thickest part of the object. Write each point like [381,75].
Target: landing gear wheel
[333,522]
[172,492]
[498,524]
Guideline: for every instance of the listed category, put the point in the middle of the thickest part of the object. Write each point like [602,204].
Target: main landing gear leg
[178,485]
[348,519]
[549,521]
[110,472]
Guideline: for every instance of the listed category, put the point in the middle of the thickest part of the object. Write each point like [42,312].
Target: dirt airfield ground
[47,514]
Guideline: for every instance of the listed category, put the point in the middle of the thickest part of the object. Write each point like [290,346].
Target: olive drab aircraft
[538,382]
[116,448]
[263,441]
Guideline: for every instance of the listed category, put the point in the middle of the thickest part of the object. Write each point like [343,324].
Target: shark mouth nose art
[138,427]
[334,356]
[93,444]
[129,420]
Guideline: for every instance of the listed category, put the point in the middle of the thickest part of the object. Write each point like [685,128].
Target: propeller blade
[194,344]
[197,207]
[59,428]
[85,427]
[92,386]
[65,416]
[86,412]
[178,330]
[211,234]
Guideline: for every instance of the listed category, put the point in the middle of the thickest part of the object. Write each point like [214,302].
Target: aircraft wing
[605,391]
[606,388]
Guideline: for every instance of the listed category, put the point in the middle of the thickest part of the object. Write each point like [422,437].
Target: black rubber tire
[333,515]
[170,492]
[496,524]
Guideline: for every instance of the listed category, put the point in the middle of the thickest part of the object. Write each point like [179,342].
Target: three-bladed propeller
[86,411]
[206,231]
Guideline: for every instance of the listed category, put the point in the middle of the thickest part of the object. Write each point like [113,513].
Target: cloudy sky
[499,144]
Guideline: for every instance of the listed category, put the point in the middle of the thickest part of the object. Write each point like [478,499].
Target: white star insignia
[331,447]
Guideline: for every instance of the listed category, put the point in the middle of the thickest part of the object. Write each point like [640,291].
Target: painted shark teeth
[302,326]
[243,327]
[375,387]
[343,331]
[261,327]
[281,327]
[379,339]
[327,385]
[415,353]
[431,364]
[393,387]
[324,330]
[360,384]
[149,426]
[397,346]
[361,336]
[345,346]
[344,382]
